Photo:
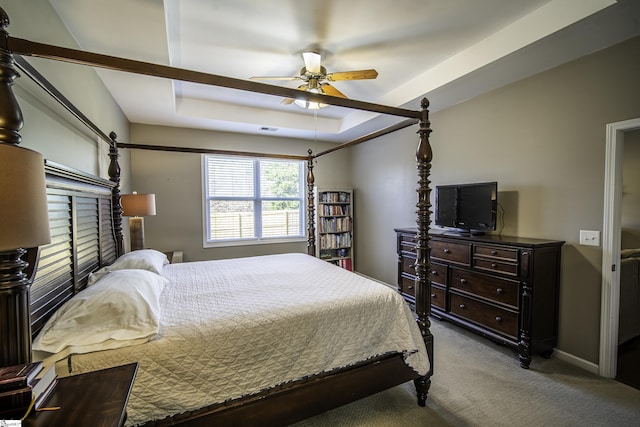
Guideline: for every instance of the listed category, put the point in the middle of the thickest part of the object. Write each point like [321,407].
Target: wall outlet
[589,238]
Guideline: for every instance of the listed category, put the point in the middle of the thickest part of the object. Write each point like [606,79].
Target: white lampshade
[138,204]
[24,214]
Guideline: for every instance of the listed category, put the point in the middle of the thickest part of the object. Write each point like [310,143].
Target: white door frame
[610,303]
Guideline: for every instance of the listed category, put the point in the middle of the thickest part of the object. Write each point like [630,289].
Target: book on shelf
[335,224]
[336,210]
[335,241]
[18,376]
[346,264]
[335,197]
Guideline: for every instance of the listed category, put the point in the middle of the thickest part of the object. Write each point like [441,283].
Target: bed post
[423,282]
[311,228]
[15,273]
[11,120]
[114,176]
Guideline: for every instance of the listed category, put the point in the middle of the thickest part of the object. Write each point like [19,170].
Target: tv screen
[467,207]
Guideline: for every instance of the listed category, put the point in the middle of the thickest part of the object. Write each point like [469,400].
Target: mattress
[231,328]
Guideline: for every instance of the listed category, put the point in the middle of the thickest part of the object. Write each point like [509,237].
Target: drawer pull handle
[434,273]
[446,251]
[410,287]
[463,281]
[498,319]
[463,306]
[494,265]
[433,295]
[500,290]
[494,252]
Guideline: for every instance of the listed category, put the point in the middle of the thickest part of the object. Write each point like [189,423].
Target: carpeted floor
[479,383]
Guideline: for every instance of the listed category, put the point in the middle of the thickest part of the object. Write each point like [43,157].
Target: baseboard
[576,361]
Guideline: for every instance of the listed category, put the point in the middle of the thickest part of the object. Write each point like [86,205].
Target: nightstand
[96,398]
[174,256]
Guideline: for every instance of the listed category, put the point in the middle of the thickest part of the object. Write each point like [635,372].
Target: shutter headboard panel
[82,239]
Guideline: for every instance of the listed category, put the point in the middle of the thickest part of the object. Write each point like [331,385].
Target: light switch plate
[589,238]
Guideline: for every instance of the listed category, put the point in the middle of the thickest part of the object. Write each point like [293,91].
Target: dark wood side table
[97,399]
[174,257]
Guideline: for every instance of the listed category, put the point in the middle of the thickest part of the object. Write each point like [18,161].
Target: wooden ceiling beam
[41,50]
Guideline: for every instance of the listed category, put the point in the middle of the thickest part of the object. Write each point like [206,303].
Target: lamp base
[15,324]
[136,232]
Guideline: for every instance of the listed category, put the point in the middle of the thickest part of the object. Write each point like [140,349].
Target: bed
[86,218]
[232,328]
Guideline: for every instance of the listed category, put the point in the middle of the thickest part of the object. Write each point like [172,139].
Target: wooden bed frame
[86,228]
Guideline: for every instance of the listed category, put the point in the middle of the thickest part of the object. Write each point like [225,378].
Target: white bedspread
[235,327]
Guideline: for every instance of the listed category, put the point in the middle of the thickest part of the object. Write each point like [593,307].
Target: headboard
[83,239]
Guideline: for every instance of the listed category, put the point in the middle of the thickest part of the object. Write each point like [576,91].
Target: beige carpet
[479,383]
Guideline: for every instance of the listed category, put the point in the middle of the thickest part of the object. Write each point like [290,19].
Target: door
[611,245]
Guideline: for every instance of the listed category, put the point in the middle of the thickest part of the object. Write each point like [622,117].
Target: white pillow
[122,306]
[144,259]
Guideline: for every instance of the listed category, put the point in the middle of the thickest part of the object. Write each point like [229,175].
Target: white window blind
[253,199]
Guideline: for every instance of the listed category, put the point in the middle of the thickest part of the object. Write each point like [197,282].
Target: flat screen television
[467,208]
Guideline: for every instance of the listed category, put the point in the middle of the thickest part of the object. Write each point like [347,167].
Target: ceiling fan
[316,80]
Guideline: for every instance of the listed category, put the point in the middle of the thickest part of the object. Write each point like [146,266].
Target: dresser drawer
[496,289]
[408,285]
[497,319]
[449,251]
[438,273]
[507,254]
[494,265]
[408,265]
[438,297]
[407,243]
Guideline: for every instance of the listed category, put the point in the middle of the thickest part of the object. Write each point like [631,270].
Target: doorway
[610,302]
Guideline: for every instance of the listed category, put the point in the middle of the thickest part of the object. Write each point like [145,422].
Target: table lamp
[24,224]
[136,206]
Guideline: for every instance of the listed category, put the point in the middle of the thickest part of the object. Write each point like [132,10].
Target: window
[252,199]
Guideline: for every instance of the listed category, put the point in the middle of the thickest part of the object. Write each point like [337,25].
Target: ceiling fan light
[309,105]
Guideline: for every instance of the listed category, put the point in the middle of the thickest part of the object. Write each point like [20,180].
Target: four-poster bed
[65,267]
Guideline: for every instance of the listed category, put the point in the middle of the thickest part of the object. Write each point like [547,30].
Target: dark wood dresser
[504,288]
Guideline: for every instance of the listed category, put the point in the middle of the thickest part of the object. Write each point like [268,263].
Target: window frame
[257,200]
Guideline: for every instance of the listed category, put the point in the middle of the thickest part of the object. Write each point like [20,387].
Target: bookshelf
[334,225]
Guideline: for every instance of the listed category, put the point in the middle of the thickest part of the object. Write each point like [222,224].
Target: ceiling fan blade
[352,75]
[311,62]
[330,90]
[275,78]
